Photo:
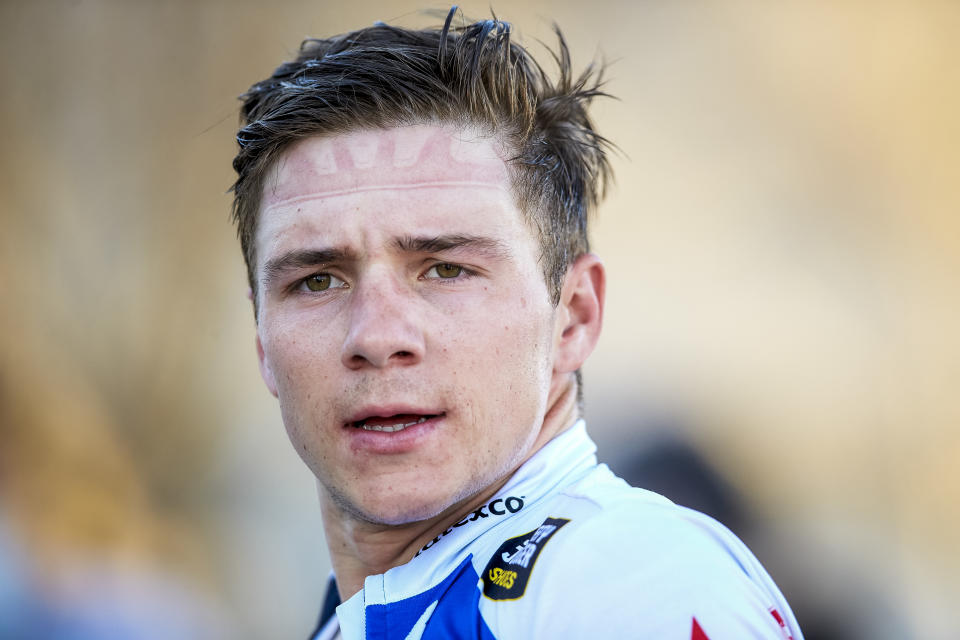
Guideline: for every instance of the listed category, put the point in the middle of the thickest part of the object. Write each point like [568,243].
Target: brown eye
[318,282]
[448,270]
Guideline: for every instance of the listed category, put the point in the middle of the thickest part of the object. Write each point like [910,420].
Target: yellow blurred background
[782,243]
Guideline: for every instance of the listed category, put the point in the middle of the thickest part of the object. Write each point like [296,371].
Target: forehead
[411,157]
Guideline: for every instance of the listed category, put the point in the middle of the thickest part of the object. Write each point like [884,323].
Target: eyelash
[465,273]
[301,285]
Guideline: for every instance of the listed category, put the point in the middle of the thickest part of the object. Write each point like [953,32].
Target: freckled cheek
[302,364]
[498,356]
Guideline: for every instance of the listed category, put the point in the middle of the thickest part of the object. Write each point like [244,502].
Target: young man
[412,207]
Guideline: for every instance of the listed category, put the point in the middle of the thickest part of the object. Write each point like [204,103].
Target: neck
[359,548]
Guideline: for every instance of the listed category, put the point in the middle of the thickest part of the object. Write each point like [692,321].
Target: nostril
[403,354]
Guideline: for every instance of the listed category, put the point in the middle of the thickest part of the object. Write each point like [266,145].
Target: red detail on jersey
[696,633]
[783,625]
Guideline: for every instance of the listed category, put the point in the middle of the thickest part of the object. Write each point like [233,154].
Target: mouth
[393,423]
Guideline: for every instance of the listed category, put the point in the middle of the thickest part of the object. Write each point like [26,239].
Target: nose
[384,326]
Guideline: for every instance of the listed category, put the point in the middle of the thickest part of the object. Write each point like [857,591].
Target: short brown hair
[385,76]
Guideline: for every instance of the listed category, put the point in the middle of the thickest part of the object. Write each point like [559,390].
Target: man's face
[404,323]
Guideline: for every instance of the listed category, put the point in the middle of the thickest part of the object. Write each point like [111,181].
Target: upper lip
[386,411]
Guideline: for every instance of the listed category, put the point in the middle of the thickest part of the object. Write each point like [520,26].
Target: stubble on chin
[398,513]
[409,509]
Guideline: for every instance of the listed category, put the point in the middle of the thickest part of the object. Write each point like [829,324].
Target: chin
[397,515]
[397,511]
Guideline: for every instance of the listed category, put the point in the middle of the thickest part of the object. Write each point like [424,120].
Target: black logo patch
[508,571]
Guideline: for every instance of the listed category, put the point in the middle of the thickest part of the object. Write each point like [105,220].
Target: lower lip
[392,442]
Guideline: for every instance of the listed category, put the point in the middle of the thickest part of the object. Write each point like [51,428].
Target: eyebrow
[434,244]
[275,268]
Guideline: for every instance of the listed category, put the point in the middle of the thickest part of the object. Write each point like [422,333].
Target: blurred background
[781,344]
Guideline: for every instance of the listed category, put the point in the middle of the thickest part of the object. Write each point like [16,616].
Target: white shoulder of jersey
[632,562]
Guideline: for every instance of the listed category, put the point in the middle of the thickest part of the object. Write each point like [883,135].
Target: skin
[398,281]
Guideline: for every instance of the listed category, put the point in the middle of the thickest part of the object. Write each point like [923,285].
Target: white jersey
[568,550]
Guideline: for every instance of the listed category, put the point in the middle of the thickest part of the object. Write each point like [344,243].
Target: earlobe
[266,372]
[580,313]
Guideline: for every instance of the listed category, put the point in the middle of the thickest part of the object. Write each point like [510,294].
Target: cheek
[300,363]
[509,356]
[524,335]
[299,345]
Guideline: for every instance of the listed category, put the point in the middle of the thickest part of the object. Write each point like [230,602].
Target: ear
[579,313]
[266,372]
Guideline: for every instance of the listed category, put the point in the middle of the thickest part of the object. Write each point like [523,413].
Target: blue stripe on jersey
[456,616]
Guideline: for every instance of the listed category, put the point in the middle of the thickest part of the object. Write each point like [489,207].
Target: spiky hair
[470,75]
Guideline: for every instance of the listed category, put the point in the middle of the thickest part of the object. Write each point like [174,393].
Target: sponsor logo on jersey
[502,578]
[507,573]
[496,507]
